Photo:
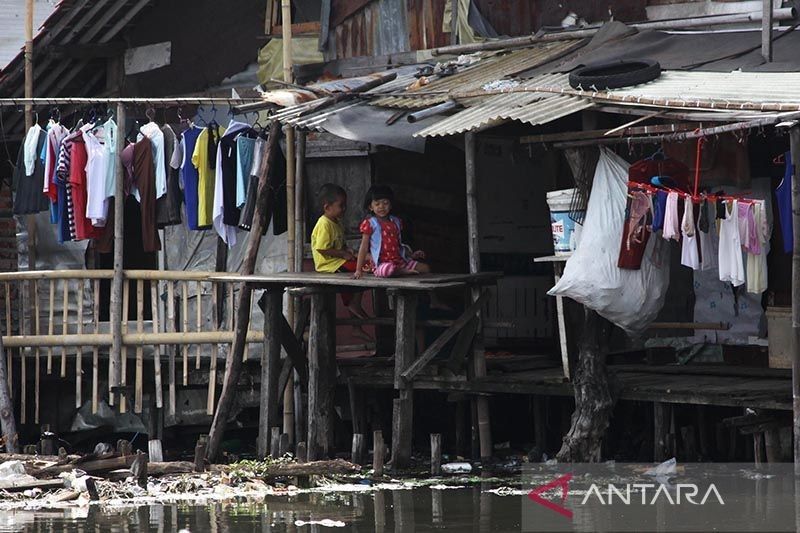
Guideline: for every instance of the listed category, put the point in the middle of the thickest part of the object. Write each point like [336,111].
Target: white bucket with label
[566,232]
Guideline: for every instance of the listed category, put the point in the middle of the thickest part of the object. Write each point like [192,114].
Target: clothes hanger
[150,113]
[779,159]
[200,119]
[131,135]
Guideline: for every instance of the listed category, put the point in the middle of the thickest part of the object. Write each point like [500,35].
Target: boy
[329,249]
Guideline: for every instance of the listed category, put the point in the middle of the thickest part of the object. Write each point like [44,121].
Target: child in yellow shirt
[328,247]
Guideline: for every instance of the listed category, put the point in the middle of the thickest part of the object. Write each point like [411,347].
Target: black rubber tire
[615,74]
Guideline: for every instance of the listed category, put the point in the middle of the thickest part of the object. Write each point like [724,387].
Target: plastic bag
[630,299]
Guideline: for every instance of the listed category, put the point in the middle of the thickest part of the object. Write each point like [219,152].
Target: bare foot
[357,311]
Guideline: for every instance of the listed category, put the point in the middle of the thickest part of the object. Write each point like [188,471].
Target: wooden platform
[694,384]
[422,282]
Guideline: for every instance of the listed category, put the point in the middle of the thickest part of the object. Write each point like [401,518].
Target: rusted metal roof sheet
[530,107]
[493,67]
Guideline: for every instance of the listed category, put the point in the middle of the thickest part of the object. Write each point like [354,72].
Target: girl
[381,238]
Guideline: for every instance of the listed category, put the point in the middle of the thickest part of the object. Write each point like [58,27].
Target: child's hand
[349,255]
[357,274]
[418,255]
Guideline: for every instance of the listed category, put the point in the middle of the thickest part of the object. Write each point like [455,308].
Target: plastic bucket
[566,233]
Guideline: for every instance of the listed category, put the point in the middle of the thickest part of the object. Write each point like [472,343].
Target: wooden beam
[321,375]
[270,370]
[437,345]
[299,28]
[403,406]
[794,137]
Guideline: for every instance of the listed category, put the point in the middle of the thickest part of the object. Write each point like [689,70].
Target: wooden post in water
[357,449]
[794,135]
[270,371]
[403,405]
[377,452]
[8,424]
[321,372]
[479,357]
[233,363]
[200,453]
[436,454]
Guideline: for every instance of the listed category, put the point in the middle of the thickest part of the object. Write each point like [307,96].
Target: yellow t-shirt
[327,235]
[207,178]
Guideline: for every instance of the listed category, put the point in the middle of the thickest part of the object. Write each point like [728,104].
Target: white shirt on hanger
[30,152]
[689,256]
[156,136]
[96,170]
[731,264]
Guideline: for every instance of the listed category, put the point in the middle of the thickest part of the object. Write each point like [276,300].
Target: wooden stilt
[772,445]
[321,354]
[200,453]
[8,424]
[402,414]
[116,305]
[758,448]
[357,449]
[284,445]
[479,357]
[275,442]
[660,429]
[270,369]
[155,451]
[436,454]
[794,136]
[377,452]
[301,452]
[23,366]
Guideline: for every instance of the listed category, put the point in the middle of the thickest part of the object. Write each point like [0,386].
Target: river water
[417,509]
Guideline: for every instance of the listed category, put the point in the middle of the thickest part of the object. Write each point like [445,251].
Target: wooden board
[425,282]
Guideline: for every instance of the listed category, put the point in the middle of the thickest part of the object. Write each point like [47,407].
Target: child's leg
[352,301]
[413,267]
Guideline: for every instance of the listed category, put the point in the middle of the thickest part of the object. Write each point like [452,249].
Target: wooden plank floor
[698,385]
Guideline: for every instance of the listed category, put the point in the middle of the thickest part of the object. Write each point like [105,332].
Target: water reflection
[406,510]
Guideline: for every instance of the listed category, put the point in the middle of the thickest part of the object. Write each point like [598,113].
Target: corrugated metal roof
[529,107]
[494,67]
[12,25]
[753,91]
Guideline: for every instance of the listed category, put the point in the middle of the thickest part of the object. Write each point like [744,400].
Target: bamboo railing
[165,331]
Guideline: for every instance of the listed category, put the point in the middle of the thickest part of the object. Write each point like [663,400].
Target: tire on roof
[615,74]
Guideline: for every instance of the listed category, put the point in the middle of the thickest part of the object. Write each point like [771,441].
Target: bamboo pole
[766,30]
[212,368]
[137,392]
[198,319]
[23,370]
[64,325]
[37,354]
[116,362]
[79,353]
[157,353]
[171,327]
[185,317]
[50,324]
[144,338]
[96,349]
[123,371]
[9,356]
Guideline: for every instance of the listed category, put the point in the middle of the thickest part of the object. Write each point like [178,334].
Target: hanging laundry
[671,222]
[747,227]
[244,161]
[709,247]
[204,160]
[731,265]
[225,213]
[79,162]
[168,207]
[31,148]
[144,173]
[111,132]
[757,261]
[153,132]
[689,256]
[28,199]
[190,176]
[96,173]
[659,209]
[783,193]
[636,231]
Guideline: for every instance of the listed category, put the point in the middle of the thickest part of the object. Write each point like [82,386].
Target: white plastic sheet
[631,299]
